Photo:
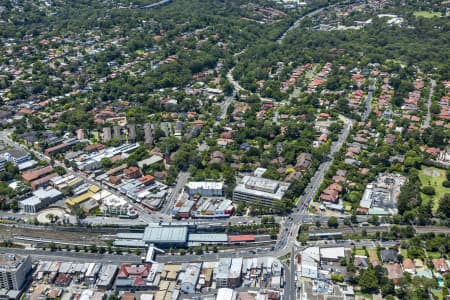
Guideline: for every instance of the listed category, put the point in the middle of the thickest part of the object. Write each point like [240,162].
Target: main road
[176,191]
[430,96]
[368,101]
[291,226]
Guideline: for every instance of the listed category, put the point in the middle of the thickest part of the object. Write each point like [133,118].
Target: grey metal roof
[130,235]
[129,243]
[212,237]
[165,234]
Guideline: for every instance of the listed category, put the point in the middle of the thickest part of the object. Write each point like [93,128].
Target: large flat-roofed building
[166,236]
[17,156]
[197,239]
[41,199]
[252,188]
[190,277]
[380,196]
[148,134]
[106,134]
[106,276]
[14,271]
[205,188]
[234,276]
[131,132]
[222,272]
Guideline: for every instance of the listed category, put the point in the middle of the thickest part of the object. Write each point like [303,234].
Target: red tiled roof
[146,179]
[36,183]
[241,238]
[36,173]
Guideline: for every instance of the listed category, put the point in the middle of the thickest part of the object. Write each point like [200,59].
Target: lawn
[433,254]
[427,14]
[433,177]
[360,251]
[437,294]
[404,253]
[364,295]
[95,135]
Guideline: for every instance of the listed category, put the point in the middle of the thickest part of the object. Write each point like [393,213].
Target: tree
[388,288]
[51,246]
[374,220]
[444,205]
[60,170]
[198,250]
[333,222]
[106,163]
[368,281]
[428,190]
[337,277]
[14,205]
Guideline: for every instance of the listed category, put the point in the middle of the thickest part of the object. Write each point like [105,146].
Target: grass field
[433,177]
[427,14]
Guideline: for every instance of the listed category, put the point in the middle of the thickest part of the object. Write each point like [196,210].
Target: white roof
[332,253]
[146,296]
[366,201]
[236,267]
[149,161]
[43,194]
[225,294]
[27,164]
[100,195]
[259,172]
[33,200]
[311,252]
[113,200]
[206,185]
[266,188]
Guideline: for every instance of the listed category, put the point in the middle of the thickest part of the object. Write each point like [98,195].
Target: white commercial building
[259,189]
[41,199]
[205,188]
[333,254]
[310,262]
